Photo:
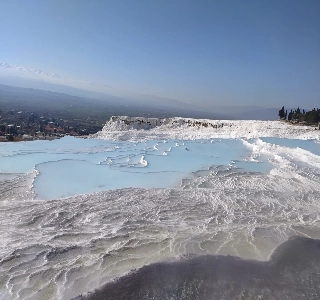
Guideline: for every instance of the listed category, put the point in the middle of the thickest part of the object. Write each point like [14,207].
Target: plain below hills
[101,107]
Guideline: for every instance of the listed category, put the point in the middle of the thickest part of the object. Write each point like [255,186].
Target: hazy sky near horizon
[217,52]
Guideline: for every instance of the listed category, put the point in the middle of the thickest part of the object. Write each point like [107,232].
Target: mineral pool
[140,205]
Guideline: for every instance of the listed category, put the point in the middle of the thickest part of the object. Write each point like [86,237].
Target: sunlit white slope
[140,128]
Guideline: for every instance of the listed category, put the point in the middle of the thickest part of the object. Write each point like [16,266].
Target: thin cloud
[47,74]
[70,81]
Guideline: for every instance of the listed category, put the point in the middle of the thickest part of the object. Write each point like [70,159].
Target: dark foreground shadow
[293,272]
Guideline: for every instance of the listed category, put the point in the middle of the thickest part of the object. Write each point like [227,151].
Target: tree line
[310,117]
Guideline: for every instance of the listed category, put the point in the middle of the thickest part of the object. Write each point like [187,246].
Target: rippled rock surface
[293,272]
[76,214]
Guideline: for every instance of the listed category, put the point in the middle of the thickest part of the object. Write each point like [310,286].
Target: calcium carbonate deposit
[144,198]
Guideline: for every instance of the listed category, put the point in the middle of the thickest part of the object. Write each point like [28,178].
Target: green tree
[281,113]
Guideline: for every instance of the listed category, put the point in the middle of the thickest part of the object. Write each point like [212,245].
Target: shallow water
[133,205]
[309,145]
[71,166]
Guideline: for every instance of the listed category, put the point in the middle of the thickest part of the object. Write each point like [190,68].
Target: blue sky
[219,52]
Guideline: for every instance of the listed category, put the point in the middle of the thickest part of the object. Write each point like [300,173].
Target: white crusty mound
[140,128]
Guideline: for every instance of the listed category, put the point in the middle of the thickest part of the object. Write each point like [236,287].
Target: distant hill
[134,99]
[248,112]
[39,90]
[65,105]
[264,114]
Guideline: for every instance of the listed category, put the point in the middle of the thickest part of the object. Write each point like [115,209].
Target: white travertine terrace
[141,128]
